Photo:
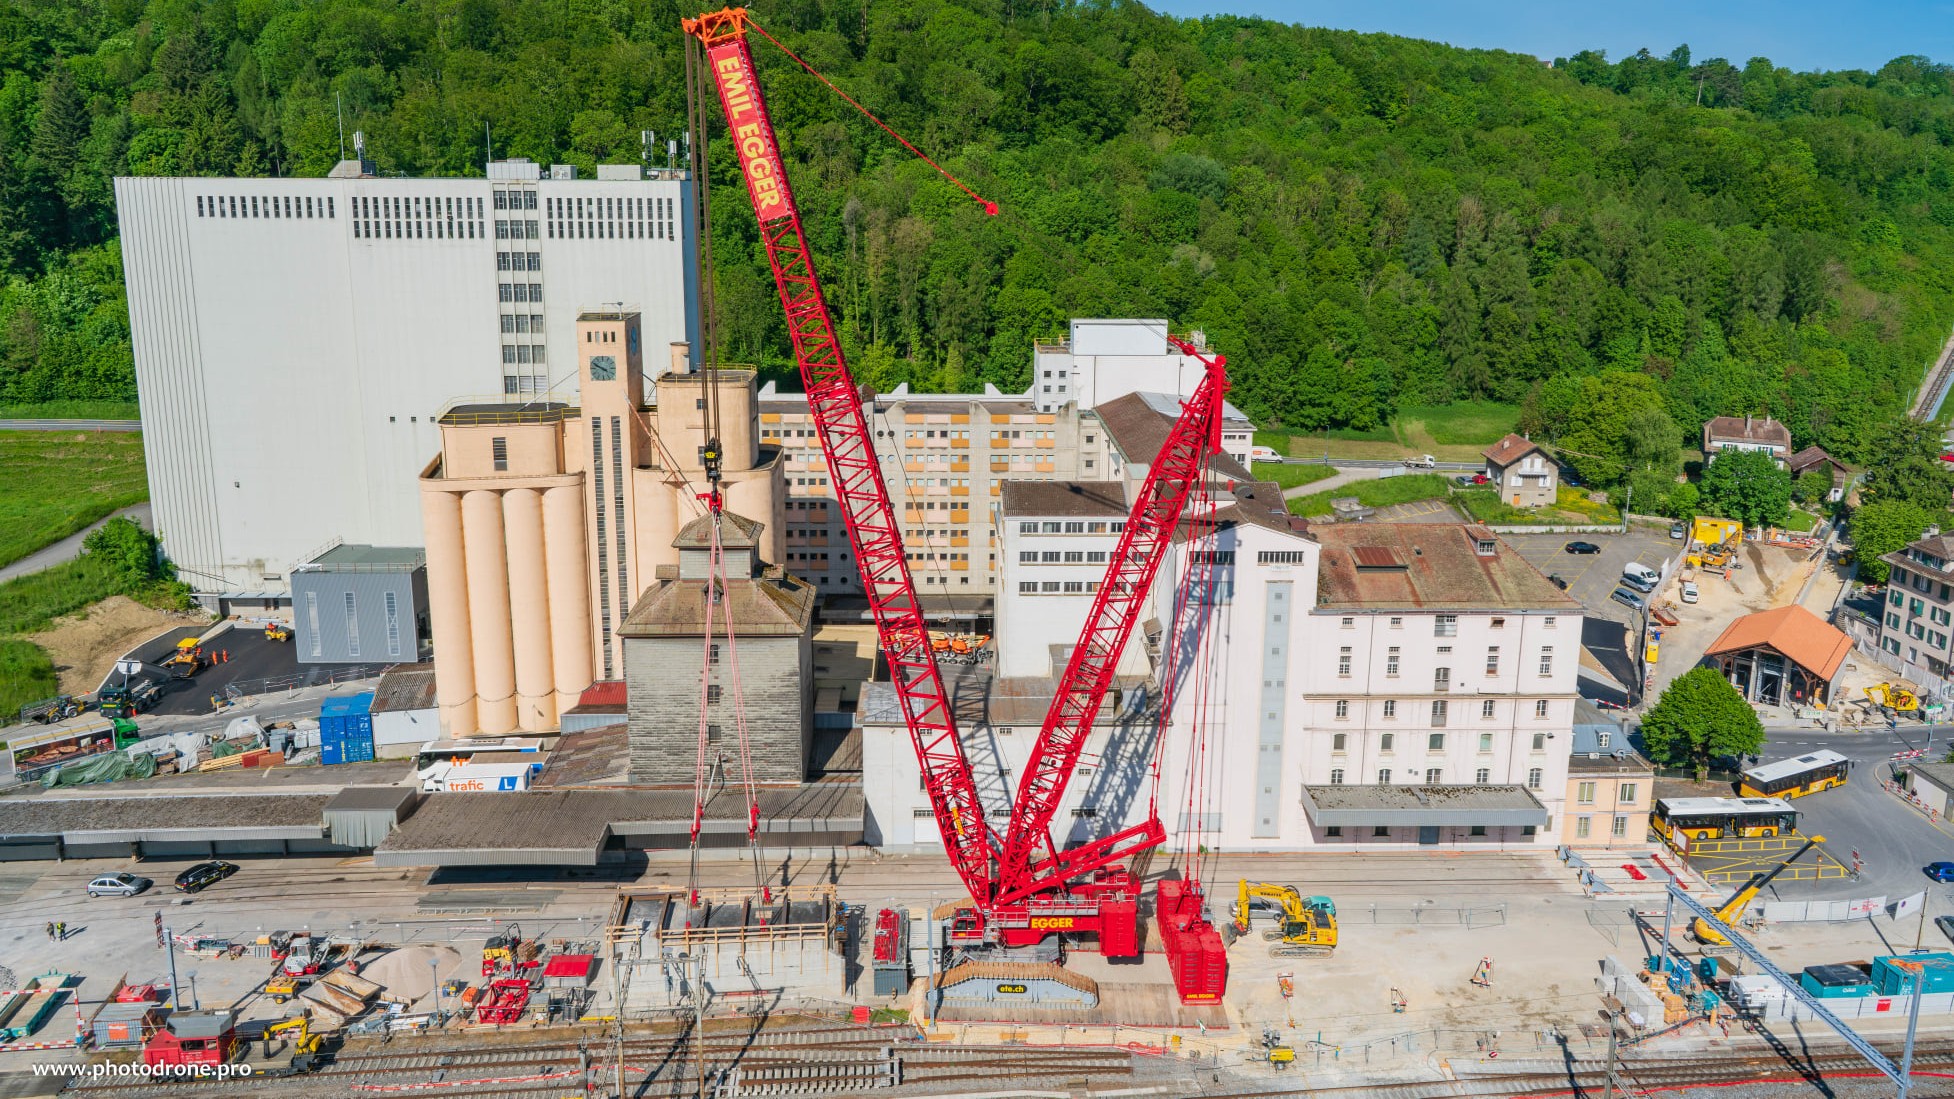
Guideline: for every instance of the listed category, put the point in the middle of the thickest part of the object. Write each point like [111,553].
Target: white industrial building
[296,339]
[1363,684]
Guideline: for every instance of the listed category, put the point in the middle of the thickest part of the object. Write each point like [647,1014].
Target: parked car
[1676,531]
[1581,547]
[1939,871]
[1263,454]
[1688,591]
[204,874]
[1946,925]
[1464,480]
[1558,580]
[118,885]
[1628,599]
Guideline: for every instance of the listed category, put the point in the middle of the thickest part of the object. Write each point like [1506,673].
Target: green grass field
[58,482]
[1377,494]
[1289,476]
[1571,505]
[1453,432]
[70,410]
[1466,423]
[26,675]
[29,603]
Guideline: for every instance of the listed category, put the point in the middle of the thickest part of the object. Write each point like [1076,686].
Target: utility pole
[699,1023]
[176,997]
[617,1008]
[1608,1086]
[1913,1024]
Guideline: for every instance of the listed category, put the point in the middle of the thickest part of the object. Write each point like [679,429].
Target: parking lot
[1590,577]
[253,661]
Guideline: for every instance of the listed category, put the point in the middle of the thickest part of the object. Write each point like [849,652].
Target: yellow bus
[1794,778]
[1682,820]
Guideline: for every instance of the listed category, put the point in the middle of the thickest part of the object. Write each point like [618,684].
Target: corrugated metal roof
[1376,557]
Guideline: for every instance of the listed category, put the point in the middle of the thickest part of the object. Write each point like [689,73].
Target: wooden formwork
[735,923]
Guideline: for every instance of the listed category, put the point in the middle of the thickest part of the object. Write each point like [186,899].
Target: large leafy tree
[1882,527]
[1699,719]
[1748,486]
[1905,465]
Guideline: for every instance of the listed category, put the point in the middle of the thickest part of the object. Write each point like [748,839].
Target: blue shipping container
[346,729]
[1937,969]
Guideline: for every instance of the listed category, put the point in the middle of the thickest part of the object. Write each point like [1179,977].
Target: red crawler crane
[1022,889]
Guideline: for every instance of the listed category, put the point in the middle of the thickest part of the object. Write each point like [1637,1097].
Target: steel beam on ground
[1792,988]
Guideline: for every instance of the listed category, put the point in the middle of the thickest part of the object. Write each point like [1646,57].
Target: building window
[1343,707]
[1445,625]
[1343,662]
[1435,742]
[1499,623]
[1385,742]
[1390,708]
[1546,660]
[1485,742]
[499,446]
[712,654]
[713,691]
[1438,711]
[1336,776]
[1486,708]
[1581,825]
[1380,832]
[1548,622]
[1482,776]
[1619,828]
[1540,711]
[1349,624]
[1492,660]
[1338,741]
[312,623]
[1384,776]
[1626,795]
[1584,793]
[1334,831]
[1533,778]
[1540,742]
[1397,623]
[1391,661]
[1477,830]
[1434,776]
[393,624]
[1027,587]
[352,627]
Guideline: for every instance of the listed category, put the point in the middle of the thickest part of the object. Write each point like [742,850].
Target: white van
[1640,577]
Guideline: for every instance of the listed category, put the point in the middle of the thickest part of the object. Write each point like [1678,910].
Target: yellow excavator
[1306,927]
[304,1043]
[1732,910]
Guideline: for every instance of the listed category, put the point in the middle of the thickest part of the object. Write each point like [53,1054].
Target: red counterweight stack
[1195,954]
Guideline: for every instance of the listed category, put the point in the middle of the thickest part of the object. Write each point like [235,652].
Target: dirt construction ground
[85,646]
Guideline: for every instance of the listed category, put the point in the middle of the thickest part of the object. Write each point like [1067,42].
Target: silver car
[118,885]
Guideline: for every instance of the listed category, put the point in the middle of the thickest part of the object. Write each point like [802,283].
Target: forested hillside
[1360,221]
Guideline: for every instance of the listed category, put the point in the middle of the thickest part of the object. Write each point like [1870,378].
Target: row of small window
[822,557]
[252,206]
[1066,557]
[1443,625]
[931,578]
[1440,711]
[522,291]
[1380,831]
[1584,827]
[929,556]
[519,261]
[1920,633]
[931,505]
[814,482]
[1902,578]
[1434,742]
[1056,587]
[417,217]
[1435,776]
[516,230]
[522,322]
[525,383]
[1072,526]
[1625,793]
[1442,677]
[612,218]
[523,353]
[1915,608]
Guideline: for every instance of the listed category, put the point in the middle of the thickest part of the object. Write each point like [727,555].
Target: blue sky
[1798,34]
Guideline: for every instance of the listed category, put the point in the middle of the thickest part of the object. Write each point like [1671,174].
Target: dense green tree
[1700,719]
[1905,465]
[1748,486]
[1883,527]
[1359,221]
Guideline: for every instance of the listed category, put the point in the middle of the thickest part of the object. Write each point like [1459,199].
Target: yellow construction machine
[1306,927]
[304,1042]
[1894,697]
[1732,910]
[186,661]
[277,631]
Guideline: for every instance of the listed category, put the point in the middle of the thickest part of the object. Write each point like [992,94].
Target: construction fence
[1820,911]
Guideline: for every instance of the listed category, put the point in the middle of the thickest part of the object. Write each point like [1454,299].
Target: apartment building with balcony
[1917,621]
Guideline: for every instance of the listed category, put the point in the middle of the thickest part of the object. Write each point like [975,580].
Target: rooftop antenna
[339,112]
[647,143]
[671,153]
[488,142]
[359,145]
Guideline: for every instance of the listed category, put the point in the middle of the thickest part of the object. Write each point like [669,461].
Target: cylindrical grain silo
[488,612]
[447,597]
[569,588]
[751,494]
[529,610]
[659,513]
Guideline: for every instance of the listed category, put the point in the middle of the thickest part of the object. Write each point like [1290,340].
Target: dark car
[1581,547]
[1558,580]
[204,874]
[1939,871]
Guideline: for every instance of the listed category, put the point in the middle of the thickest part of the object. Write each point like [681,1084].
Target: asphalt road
[70,425]
[252,659]
[69,548]
[1893,840]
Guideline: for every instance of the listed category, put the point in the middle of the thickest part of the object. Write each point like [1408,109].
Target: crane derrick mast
[1022,889]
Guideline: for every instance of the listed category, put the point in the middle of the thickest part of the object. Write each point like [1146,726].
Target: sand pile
[409,974]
